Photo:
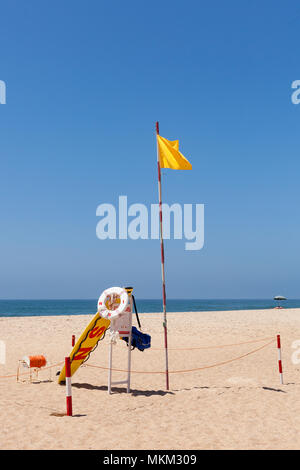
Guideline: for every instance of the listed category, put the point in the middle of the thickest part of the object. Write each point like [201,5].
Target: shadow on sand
[103,388]
[61,415]
[274,389]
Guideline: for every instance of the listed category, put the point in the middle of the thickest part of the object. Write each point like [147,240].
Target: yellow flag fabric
[169,155]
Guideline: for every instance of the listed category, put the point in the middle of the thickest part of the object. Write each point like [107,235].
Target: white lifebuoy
[112,302]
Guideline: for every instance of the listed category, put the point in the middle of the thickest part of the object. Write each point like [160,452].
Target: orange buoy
[35,361]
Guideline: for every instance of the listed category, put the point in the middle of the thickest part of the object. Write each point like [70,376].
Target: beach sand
[237,405]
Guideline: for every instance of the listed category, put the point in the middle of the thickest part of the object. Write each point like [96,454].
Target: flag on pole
[169,155]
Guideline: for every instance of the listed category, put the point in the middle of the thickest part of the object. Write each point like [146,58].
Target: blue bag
[139,340]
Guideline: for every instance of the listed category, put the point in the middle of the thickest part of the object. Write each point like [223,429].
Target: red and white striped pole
[279,359]
[68,386]
[162,264]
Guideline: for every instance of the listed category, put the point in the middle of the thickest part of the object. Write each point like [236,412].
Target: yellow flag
[169,155]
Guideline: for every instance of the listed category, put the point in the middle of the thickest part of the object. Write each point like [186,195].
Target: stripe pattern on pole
[162,264]
[68,386]
[279,359]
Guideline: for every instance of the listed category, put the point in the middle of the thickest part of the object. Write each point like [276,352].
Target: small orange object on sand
[35,361]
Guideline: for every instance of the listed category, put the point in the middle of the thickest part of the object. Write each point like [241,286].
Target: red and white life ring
[112,302]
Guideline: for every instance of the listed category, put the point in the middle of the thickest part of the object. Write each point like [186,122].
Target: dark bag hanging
[139,340]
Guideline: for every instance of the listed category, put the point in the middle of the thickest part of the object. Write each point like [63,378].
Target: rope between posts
[170,372]
[27,373]
[214,347]
[186,370]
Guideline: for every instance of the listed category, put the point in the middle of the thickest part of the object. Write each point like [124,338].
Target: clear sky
[86,82]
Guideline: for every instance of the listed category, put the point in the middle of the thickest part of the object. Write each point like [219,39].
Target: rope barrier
[26,373]
[214,347]
[187,370]
[172,349]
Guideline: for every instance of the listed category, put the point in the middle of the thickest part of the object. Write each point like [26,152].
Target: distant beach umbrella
[278,298]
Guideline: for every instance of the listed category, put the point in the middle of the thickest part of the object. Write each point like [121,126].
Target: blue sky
[86,82]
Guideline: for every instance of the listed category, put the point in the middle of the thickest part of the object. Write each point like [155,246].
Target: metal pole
[68,386]
[279,359]
[162,264]
[129,347]
[110,366]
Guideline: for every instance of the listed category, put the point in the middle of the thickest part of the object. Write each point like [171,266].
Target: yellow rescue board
[86,343]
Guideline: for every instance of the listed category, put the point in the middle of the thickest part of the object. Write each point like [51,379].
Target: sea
[29,308]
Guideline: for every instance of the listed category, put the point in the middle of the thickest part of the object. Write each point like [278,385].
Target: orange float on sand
[32,363]
[35,361]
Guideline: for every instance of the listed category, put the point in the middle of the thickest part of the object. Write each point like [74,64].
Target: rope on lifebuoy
[112,302]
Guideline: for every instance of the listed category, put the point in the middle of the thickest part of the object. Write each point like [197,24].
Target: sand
[237,405]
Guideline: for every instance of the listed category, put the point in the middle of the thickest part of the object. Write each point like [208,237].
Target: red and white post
[279,359]
[162,264]
[68,386]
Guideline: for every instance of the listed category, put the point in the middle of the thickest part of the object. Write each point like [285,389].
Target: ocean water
[26,308]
